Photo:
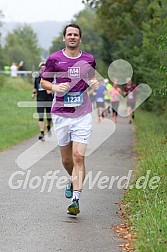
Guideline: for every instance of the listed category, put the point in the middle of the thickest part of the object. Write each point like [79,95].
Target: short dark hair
[74,26]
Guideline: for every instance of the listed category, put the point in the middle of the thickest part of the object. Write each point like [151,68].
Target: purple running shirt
[60,68]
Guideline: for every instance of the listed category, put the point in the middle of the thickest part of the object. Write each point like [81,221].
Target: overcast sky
[39,10]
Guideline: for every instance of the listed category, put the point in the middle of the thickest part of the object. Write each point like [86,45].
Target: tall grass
[147,207]
[16,124]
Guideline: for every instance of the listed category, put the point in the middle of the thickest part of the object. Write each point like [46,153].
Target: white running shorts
[72,129]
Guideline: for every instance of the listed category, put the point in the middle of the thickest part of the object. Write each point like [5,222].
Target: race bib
[116,97]
[100,99]
[130,95]
[73,99]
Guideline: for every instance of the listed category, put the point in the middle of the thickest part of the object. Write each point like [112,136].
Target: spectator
[13,70]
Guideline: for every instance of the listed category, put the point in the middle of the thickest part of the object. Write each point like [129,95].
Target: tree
[22,44]
[1,50]
[132,30]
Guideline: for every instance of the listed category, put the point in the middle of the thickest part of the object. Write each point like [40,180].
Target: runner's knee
[66,161]
[77,157]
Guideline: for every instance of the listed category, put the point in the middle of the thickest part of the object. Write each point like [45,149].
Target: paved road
[32,221]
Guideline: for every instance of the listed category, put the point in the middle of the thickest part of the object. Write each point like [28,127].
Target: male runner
[72,106]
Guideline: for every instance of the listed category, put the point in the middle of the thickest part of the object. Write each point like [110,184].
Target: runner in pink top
[115,93]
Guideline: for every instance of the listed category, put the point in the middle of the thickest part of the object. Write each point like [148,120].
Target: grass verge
[16,123]
[145,203]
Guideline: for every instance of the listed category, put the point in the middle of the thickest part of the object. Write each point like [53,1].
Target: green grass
[147,208]
[16,124]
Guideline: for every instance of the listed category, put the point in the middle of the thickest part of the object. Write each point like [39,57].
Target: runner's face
[42,68]
[115,85]
[72,38]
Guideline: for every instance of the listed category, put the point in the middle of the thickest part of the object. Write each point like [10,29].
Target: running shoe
[41,137]
[69,190]
[102,115]
[73,208]
[49,131]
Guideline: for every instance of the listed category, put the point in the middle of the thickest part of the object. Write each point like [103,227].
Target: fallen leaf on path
[124,231]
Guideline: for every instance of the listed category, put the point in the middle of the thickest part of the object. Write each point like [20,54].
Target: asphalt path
[33,213]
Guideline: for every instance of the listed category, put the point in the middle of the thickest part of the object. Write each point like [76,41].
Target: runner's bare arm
[62,87]
[46,84]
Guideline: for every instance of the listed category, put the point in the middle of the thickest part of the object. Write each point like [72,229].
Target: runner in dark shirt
[44,101]
[131,91]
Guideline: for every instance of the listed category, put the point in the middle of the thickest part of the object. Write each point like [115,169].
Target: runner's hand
[62,87]
[94,83]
